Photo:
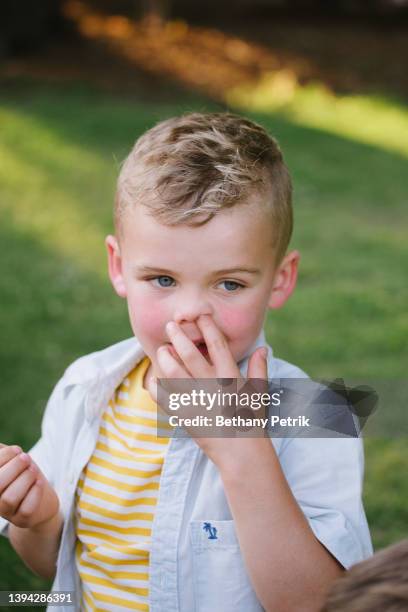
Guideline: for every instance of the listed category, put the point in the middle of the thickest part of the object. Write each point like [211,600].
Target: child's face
[224,268]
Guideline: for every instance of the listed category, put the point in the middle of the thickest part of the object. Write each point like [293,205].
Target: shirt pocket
[220,580]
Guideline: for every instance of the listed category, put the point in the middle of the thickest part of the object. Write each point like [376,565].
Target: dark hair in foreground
[378,584]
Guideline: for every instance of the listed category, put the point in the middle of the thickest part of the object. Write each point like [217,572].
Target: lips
[199,343]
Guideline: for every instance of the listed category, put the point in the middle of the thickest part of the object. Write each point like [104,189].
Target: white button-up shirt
[188,571]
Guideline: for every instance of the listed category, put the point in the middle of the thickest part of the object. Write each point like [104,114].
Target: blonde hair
[378,584]
[190,167]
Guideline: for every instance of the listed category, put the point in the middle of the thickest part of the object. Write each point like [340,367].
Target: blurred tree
[26,24]
[157,10]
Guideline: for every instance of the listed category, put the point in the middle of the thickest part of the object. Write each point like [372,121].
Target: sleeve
[44,452]
[325,476]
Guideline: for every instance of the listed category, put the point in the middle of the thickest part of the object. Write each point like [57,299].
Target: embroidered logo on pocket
[212,531]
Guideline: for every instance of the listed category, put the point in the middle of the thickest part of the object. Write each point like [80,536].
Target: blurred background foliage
[80,81]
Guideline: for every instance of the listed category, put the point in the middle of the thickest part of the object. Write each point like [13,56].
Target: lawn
[60,150]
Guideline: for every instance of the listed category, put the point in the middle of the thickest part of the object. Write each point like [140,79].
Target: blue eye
[167,281]
[164,281]
[231,285]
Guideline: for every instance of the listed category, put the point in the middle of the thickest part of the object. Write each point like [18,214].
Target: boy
[128,520]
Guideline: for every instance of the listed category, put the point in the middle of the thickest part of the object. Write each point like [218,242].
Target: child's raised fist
[26,497]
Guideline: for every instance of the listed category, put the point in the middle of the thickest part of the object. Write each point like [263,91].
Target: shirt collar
[260,341]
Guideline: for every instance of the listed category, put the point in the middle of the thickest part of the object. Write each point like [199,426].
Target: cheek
[148,318]
[236,323]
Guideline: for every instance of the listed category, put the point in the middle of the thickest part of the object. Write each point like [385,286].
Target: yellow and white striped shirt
[116,498]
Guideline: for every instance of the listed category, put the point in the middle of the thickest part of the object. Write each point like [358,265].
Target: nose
[189,308]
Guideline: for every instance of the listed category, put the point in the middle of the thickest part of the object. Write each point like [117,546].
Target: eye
[231,286]
[163,281]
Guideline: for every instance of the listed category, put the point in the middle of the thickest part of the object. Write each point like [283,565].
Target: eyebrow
[226,271]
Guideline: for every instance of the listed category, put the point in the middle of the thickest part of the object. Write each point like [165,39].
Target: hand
[184,360]
[26,497]
[192,363]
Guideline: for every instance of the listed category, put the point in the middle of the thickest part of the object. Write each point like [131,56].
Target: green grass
[59,154]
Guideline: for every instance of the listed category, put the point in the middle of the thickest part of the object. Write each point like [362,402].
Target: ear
[285,280]
[115,266]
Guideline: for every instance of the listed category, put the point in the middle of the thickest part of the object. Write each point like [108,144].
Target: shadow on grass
[52,313]
[106,127]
